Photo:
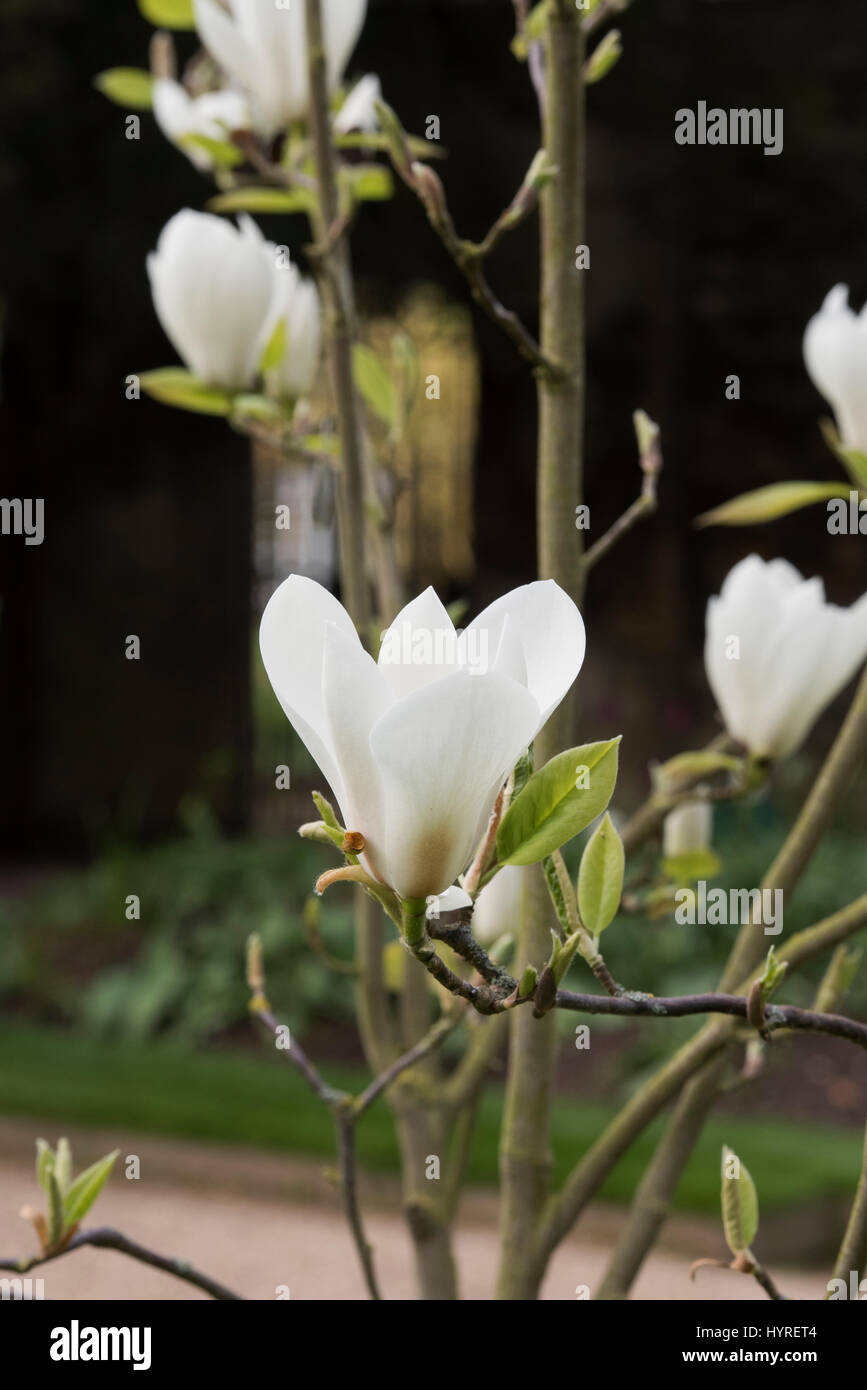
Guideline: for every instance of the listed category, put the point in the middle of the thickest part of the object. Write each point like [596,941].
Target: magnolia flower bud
[835,351]
[297,306]
[417,745]
[498,907]
[358,111]
[776,653]
[213,288]
[262,46]
[687,829]
[214,115]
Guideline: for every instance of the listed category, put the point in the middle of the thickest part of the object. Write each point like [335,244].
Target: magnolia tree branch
[776,1016]
[660,1181]
[650,459]
[105,1239]
[644,1105]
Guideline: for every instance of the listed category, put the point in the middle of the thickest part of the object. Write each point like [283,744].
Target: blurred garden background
[156,777]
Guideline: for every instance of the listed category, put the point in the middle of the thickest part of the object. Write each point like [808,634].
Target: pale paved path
[255,1221]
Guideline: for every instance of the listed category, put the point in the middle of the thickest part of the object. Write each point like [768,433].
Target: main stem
[339,306]
[525,1141]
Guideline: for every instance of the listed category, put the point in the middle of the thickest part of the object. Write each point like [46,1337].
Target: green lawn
[221,1095]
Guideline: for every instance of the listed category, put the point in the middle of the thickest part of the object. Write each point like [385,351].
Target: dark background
[704,262]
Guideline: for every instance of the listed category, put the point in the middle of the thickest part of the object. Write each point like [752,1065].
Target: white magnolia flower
[687,829]
[358,111]
[297,304]
[776,653]
[498,907]
[835,351]
[416,746]
[262,47]
[214,288]
[213,114]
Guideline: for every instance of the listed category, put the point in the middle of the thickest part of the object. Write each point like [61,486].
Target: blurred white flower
[498,907]
[776,653]
[687,829]
[213,287]
[262,48]
[213,114]
[296,304]
[358,111]
[416,747]
[835,351]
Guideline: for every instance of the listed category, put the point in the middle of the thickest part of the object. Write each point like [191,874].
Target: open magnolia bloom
[417,745]
[262,46]
[776,653]
[835,351]
[213,115]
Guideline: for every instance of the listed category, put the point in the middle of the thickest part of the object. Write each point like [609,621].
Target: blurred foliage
[68,952]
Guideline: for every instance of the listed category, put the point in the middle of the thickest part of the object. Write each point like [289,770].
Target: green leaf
[44,1163]
[533,30]
[604,56]
[176,386]
[690,867]
[263,200]
[86,1188]
[371,183]
[600,877]
[169,14]
[740,1205]
[375,140]
[55,1210]
[63,1165]
[275,348]
[256,407]
[131,88]
[557,802]
[223,154]
[769,503]
[373,380]
[685,768]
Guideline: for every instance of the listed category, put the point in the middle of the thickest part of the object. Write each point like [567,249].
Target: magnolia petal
[355,695]
[420,646]
[835,353]
[439,751]
[292,642]
[551,632]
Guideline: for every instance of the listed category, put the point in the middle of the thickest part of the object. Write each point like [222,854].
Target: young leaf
[63,1165]
[86,1188]
[131,88]
[740,1205]
[169,14]
[369,183]
[557,802]
[55,1210]
[44,1163]
[176,386]
[374,382]
[275,348]
[600,877]
[769,503]
[690,867]
[222,153]
[262,200]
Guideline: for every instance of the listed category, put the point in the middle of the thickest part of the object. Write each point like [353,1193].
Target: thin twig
[434,1037]
[646,503]
[680,1006]
[105,1239]
[853,1250]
